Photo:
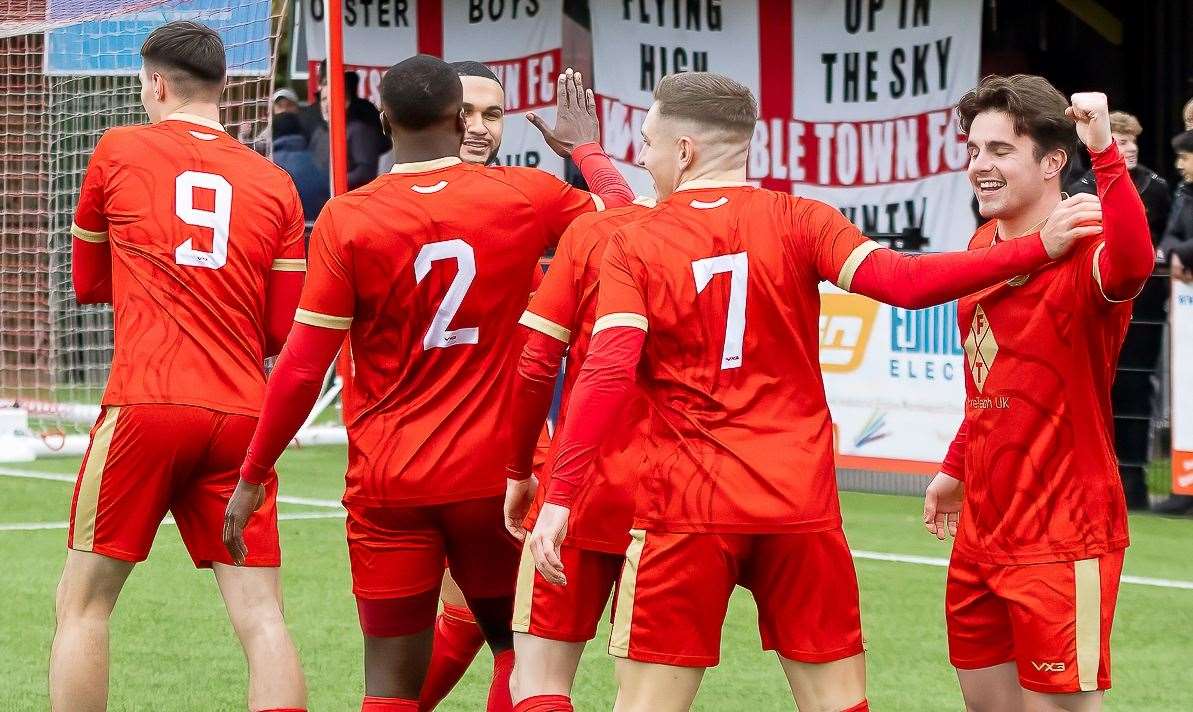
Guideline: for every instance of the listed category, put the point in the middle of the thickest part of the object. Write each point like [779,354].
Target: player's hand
[1092,114]
[575,115]
[518,496]
[246,499]
[942,505]
[1180,271]
[549,531]
[1074,219]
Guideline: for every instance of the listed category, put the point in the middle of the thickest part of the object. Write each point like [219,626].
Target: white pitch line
[933,561]
[52,477]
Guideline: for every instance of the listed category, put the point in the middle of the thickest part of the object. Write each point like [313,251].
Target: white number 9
[217,220]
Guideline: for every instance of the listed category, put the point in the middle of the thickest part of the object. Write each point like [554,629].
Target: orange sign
[846,321]
[1182,472]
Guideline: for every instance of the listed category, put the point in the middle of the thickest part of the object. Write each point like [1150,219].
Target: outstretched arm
[91,269]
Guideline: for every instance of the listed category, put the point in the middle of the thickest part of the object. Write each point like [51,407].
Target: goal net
[68,72]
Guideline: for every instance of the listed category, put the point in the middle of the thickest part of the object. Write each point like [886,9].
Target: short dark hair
[1036,109]
[708,99]
[191,54]
[469,68]
[421,91]
[1183,142]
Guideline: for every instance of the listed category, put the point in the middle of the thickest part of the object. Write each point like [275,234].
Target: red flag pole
[337,115]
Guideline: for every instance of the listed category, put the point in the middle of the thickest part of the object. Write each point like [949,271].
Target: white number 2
[439,336]
[217,219]
[738,267]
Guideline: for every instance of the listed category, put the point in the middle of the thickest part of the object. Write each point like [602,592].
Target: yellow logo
[980,347]
[846,321]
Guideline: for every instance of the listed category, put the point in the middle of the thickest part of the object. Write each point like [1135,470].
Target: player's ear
[1054,162]
[385,124]
[687,152]
[159,87]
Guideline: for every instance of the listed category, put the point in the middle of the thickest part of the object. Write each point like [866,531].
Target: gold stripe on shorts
[87,504]
[623,617]
[1088,581]
[524,595]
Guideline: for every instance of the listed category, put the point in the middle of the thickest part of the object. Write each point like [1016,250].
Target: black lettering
[496,9]
[383,10]
[875,7]
[350,12]
[853,16]
[849,80]
[317,10]
[714,15]
[692,15]
[367,5]
[914,218]
[700,61]
[678,14]
[625,9]
[920,14]
[869,218]
[849,212]
[871,75]
[475,13]
[648,76]
[897,85]
[828,59]
[532,159]
[400,18]
[942,60]
[532,9]
[679,60]
[919,70]
[891,209]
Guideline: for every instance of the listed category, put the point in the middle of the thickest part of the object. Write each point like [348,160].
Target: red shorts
[1052,619]
[398,552]
[567,613]
[675,589]
[149,459]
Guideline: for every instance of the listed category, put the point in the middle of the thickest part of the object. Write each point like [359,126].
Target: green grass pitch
[173,649]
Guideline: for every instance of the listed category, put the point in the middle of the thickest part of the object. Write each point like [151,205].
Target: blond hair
[1123,123]
[708,99]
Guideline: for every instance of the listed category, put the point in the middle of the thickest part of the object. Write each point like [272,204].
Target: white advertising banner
[856,98]
[894,380]
[519,40]
[1181,320]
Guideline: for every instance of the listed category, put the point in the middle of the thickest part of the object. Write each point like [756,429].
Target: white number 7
[738,266]
[439,336]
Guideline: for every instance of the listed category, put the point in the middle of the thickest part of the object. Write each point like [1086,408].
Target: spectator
[366,143]
[1153,189]
[283,101]
[1187,115]
[1178,234]
[291,154]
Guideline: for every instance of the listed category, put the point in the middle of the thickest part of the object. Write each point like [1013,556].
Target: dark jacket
[365,146]
[1153,191]
[1178,234]
[292,156]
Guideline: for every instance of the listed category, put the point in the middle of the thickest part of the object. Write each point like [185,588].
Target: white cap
[284,94]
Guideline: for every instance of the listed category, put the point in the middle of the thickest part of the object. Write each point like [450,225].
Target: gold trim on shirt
[599,201]
[645,201]
[701,183]
[425,166]
[1098,278]
[199,120]
[610,321]
[545,326]
[289,265]
[327,321]
[855,259]
[88,235]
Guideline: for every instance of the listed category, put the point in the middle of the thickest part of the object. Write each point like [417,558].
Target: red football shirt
[1041,476]
[429,268]
[723,278]
[196,221]
[564,308]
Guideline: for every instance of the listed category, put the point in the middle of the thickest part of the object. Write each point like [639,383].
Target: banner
[1181,321]
[113,45]
[895,381]
[856,98]
[519,40]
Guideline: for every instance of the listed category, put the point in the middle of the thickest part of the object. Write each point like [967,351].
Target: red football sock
[863,706]
[457,641]
[388,704]
[545,703]
[499,691]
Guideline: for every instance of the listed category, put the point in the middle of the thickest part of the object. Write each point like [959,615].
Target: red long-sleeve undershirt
[603,388]
[538,367]
[601,175]
[91,271]
[290,394]
[954,460]
[1128,257]
[282,293]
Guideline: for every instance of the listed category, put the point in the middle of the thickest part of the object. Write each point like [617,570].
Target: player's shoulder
[590,232]
[125,141]
[983,236]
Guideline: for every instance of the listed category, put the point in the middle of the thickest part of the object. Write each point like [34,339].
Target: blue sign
[112,45]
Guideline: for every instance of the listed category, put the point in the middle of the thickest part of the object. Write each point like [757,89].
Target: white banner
[894,380]
[856,97]
[519,40]
[1181,320]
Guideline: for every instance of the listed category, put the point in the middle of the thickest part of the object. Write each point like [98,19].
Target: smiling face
[1128,148]
[662,154]
[1184,164]
[484,119]
[1004,171]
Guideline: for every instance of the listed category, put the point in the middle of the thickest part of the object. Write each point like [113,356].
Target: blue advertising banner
[112,44]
